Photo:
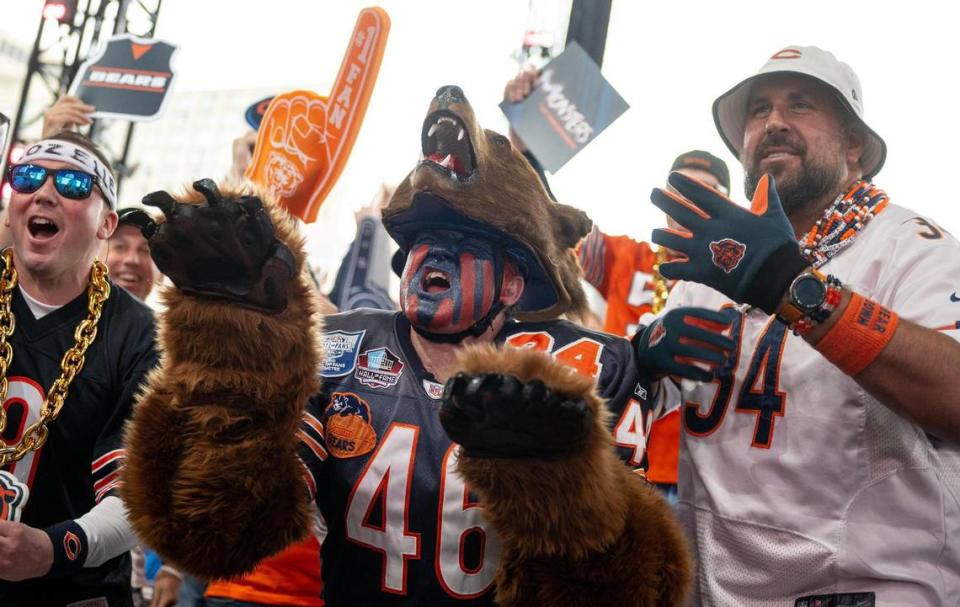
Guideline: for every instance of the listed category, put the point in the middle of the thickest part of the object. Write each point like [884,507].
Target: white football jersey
[793,480]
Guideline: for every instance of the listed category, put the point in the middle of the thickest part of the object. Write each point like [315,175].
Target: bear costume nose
[450,94]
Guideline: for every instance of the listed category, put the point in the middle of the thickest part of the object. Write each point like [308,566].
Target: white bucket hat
[730,109]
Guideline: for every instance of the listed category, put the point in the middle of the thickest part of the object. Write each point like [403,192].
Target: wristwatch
[806,296]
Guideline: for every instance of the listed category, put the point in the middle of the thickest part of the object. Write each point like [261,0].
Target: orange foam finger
[305,139]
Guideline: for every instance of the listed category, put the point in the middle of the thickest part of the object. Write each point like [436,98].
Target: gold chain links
[661,290]
[71,364]
[8,280]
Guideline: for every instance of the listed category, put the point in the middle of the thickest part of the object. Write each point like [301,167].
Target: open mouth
[41,227]
[446,145]
[435,281]
[126,278]
[777,154]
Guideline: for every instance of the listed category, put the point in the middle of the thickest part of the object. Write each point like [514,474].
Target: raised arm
[212,480]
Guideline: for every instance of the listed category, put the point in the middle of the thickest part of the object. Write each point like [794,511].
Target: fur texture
[212,481]
[583,530]
[506,193]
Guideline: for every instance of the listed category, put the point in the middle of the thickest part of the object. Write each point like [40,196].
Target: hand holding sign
[305,139]
[128,78]
[563,109]
[66,114]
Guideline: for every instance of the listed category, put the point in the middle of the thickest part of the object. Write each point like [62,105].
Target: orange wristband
[859,336]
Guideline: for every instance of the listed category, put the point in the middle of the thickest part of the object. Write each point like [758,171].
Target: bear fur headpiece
[472,179]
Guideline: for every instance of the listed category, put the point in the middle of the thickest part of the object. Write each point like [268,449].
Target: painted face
[449,281]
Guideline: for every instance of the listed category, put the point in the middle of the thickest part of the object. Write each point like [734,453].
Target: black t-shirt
[80,463]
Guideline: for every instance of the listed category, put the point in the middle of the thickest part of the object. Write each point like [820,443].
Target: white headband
[76,156]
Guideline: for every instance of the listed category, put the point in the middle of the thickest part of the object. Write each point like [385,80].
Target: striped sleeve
[105,471]
[312,449]
[592,252]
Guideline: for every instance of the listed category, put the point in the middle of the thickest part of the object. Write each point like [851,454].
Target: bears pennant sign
[129,79]
[304,139]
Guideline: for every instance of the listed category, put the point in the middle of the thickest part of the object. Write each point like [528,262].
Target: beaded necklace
[840,223]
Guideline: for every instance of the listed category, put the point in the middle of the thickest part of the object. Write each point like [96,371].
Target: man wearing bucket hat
[819,465]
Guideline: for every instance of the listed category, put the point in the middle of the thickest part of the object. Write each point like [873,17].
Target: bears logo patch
[13,496]
[348,425]
[657,334]
[71,545]
[727,253]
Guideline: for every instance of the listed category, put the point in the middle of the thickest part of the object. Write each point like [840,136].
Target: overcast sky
[669,60]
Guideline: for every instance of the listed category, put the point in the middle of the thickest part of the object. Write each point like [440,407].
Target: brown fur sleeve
[212,481]
[584,530]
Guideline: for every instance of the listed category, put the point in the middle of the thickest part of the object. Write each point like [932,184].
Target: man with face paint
[446,472]
[455,285]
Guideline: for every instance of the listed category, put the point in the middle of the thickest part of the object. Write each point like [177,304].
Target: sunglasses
[69,183]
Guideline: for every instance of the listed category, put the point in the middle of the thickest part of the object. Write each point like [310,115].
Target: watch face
[808,292]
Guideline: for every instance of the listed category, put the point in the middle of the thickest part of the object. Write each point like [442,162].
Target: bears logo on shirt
[657,334]
[13,496]
[347,421]
[727,253]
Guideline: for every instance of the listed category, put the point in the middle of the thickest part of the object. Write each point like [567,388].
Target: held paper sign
[130,78]
[570,105]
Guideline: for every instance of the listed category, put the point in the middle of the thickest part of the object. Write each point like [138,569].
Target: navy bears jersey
[80,462]
[402,527]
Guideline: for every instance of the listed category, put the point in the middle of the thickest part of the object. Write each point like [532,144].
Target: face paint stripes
[449,282]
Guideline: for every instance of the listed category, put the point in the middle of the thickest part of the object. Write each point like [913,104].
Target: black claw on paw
[209,189]
[162,200]
[496,415]
[223,247]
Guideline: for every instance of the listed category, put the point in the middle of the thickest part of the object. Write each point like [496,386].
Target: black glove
[751,257]
[495,415]
[223,247]
[672,344]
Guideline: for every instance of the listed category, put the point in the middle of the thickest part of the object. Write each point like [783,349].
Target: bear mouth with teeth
[447,147]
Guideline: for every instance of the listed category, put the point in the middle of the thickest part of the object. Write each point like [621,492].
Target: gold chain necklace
[661,290]
[71,364]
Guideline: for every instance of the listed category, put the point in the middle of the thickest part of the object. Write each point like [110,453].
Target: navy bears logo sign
[130,78]
[727,253]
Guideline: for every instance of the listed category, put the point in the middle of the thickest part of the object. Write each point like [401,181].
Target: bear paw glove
[671,344]
[749,256]
[223,247]
[493,415]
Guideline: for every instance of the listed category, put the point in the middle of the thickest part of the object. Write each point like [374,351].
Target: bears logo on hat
[729,110]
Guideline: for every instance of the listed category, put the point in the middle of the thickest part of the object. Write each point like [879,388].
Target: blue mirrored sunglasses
[70,183]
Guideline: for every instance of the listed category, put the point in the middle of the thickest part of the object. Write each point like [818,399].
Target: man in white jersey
[819,464]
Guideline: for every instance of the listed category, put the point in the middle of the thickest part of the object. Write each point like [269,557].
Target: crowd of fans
[832,473]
